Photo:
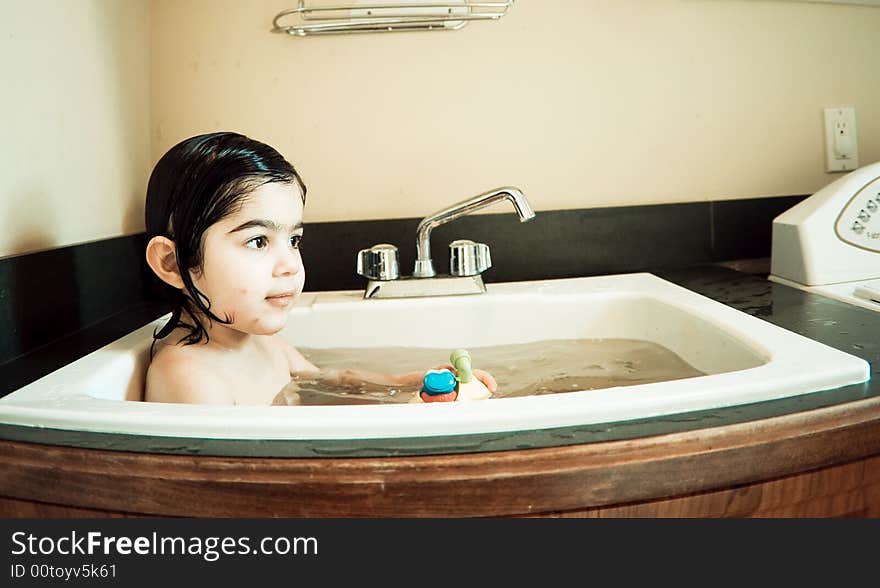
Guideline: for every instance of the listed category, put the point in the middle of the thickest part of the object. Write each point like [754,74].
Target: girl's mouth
[282,299]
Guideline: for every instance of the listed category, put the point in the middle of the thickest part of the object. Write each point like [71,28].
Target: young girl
[224,222]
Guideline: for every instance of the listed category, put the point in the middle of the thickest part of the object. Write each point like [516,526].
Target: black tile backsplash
[741,229]
[52,294]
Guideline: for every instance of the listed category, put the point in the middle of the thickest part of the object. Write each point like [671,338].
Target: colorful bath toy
[469,387]
[439,386]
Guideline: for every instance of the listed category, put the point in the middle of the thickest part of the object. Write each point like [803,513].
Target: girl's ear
[162,259]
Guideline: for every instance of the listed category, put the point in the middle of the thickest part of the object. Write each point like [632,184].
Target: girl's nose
[289,262]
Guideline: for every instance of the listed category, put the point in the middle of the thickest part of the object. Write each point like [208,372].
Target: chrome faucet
[467,260]
[424,266]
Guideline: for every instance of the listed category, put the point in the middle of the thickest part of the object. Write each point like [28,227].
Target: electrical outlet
[841,142]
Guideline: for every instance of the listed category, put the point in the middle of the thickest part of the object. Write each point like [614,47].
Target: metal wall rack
[363,17]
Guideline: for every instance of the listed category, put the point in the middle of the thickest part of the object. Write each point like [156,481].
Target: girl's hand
[487,379]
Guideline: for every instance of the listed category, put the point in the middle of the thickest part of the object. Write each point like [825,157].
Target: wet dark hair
[197,183]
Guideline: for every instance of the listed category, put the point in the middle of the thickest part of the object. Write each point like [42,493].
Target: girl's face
[252,270]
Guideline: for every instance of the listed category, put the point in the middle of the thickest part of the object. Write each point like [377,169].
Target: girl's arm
[299,365]
[406,380]
[352,377]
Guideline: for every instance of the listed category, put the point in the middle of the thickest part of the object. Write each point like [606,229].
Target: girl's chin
[261,323]
[269,327]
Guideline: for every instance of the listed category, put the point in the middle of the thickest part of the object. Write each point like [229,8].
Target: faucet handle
[467,258]
[379,262]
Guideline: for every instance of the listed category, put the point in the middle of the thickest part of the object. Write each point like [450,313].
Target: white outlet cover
[837,120]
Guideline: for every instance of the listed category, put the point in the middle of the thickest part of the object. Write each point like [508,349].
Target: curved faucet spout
[424,266]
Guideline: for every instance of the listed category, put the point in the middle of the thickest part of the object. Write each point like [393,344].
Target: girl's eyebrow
[266,224]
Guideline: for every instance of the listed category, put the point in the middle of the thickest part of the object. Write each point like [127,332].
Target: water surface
[543,367]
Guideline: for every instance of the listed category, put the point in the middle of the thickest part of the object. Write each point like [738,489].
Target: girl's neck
[225,337]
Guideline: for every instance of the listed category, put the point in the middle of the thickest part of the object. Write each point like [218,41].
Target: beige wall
[74,121]
[580,103]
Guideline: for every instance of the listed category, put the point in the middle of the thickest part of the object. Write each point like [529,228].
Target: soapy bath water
[543,367]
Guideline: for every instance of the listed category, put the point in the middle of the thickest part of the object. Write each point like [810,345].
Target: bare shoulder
[182,374]
[295,359]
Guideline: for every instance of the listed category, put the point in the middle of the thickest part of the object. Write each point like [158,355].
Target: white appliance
[830,242]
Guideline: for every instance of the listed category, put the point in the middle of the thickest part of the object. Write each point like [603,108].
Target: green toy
[469,387]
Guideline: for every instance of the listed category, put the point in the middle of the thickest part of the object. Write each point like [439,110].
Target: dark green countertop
[846,327]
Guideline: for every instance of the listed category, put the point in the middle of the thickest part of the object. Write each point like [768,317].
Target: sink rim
[789,355]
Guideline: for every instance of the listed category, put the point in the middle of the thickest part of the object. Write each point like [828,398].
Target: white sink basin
[744,358]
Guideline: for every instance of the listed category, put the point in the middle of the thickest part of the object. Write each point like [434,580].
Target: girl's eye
[257,243]
[295,240]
